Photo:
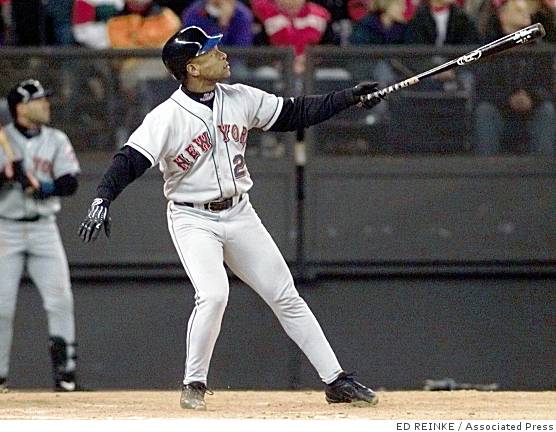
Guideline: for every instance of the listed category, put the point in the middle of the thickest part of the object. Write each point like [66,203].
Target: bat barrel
[520,37]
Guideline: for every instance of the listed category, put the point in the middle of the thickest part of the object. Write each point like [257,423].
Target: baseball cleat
[346,390]
[65,387]
[67,384]
[193,396]
[3,385]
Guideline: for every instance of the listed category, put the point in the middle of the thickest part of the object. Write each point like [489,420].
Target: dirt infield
[474,405]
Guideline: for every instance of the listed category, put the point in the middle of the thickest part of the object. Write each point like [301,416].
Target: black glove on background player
[97,217]
[21,177]
[364,88]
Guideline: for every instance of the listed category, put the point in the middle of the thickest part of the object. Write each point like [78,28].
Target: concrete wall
[439,215]
[395,332]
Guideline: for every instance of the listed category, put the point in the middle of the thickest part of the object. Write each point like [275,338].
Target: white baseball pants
[236,236]
[38,246]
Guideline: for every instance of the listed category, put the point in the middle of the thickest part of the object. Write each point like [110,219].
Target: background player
[198,138]
[38,166]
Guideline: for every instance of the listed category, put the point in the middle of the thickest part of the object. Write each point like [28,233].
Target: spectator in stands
[123,24]
[3,31]
[341,21]
[142,24]
[5,21]
[232,18]
[513,92]
[177,6]
[480,11]
[42,22]
[90,18]
[441,22]
[357,9]
[26,20]
[544,11]
[295,23]
[385,24]
[57,16]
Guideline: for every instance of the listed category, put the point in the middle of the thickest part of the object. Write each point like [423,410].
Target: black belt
[214,206]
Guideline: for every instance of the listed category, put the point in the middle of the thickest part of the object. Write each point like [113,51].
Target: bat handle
[392,88]
[370,96]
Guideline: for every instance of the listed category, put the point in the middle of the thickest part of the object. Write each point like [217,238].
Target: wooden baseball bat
[8,168]
[6,146]
[520,37]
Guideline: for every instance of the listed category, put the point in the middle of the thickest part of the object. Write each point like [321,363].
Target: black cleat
[346,390]
[3,385]
[193,396]
[66,383]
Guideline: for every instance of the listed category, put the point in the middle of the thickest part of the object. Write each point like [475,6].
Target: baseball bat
[6,146]
[8,168]
[520,37]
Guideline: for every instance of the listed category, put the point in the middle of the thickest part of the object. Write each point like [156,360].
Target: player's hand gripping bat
[520,37]
[13,169]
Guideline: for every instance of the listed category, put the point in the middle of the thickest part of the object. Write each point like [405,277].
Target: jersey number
[239,166]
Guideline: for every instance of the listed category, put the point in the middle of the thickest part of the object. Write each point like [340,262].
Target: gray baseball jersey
[48,156]
[201,152]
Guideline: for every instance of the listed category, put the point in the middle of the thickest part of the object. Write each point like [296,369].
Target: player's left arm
[304,111]
[65,185]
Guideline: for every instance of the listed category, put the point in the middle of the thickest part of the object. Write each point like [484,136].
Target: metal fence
[101,96]
[438,116]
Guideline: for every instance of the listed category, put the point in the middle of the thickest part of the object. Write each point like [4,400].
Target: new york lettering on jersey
[201,152]
[187,158]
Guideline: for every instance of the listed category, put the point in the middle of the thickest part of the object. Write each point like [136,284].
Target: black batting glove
[361,90]
[20,176]
[97,217]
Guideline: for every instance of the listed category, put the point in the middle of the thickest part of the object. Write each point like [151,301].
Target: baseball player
[197,138]
[37,166]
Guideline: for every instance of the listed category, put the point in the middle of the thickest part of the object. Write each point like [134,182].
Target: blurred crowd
[527,98]
[282,23]
[295,23]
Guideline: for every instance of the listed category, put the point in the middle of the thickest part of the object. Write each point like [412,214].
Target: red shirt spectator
[357,9]
[295,23]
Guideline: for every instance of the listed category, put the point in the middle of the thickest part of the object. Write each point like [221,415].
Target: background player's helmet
[186,44]
[24,92]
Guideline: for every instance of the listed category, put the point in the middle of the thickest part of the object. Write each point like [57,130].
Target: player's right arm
[143,149]
[127,165]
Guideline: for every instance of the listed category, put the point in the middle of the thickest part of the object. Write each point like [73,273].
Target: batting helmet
[186,44]
[24,92]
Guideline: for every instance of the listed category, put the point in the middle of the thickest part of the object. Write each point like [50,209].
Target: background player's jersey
[47,156]
[201,152]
